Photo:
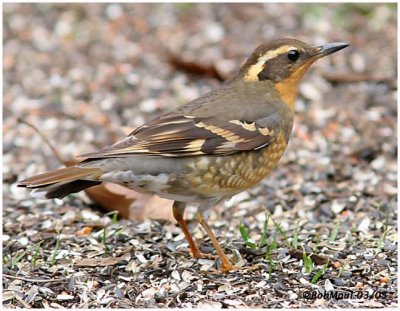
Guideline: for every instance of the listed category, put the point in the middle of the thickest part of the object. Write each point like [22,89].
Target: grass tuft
[53,259]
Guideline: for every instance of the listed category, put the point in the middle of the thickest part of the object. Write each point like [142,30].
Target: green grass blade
[334,232]
[53,259]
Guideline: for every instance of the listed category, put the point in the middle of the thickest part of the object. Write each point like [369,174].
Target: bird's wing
[181,136]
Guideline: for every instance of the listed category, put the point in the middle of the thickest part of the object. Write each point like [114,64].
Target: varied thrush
[210,149]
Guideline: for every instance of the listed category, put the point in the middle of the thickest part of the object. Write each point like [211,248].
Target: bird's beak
[329,48]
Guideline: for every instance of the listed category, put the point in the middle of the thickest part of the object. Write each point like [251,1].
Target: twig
[34,280]
[195,68]
[45,139]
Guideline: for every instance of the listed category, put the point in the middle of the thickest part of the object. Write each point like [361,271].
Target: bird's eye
[293,55]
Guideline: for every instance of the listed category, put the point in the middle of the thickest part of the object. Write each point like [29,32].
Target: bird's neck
[288,88]
[288,92]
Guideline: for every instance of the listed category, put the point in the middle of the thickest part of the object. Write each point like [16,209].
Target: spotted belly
[232,174]
[195,178]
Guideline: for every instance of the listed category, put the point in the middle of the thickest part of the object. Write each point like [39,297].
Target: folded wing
[181,136]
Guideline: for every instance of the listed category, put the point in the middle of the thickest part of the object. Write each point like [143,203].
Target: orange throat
[288,87]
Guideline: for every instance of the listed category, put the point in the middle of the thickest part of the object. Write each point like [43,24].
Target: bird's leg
[226,264]
[178,208]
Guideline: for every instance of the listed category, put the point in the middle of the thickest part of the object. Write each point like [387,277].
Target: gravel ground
[85,74]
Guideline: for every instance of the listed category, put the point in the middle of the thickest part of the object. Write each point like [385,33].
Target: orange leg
[226,264]
[178,208]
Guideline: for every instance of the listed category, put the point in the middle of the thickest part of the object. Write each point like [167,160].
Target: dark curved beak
[330,48]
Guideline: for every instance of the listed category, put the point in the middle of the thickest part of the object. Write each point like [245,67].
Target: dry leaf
[153,208]
[110,200]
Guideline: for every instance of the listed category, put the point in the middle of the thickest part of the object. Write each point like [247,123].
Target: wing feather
[180,136]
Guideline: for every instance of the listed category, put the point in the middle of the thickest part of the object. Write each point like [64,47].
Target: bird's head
[284,62]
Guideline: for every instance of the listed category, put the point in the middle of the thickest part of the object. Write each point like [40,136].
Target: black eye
[293,55]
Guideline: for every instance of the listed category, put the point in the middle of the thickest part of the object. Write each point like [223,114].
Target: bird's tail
[59,183]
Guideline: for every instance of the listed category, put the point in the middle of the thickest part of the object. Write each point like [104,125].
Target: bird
[208,150]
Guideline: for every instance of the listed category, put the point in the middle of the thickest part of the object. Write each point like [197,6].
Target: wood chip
[99,262]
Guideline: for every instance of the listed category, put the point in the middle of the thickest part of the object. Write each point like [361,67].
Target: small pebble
[384,279]
[336,264]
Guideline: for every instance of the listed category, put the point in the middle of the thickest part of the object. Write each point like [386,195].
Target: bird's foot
[226,265]
[197,254]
